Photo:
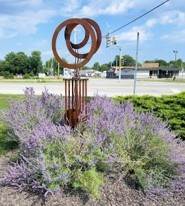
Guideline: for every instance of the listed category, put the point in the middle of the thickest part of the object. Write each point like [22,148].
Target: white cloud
[173,17]
[22,17]
[70,6]
[177,36]
[23,23]
[96,8]
[151,23]
[144,30]
[131,35]
[20,2]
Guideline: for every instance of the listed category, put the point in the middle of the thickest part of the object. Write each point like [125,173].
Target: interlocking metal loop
[91,29]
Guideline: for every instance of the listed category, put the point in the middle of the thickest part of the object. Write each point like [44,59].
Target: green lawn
[5,99]
[5,143]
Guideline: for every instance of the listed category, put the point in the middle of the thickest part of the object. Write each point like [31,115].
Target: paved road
[106,87]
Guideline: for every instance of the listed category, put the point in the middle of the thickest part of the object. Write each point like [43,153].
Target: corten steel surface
[91,30]
[76,87]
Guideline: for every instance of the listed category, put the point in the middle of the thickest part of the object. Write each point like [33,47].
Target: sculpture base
[75,100]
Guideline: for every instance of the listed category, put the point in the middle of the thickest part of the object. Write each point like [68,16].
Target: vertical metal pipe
[68,94]
[72,93]
[76,95]
[80,95]
[85,95]
[65,95]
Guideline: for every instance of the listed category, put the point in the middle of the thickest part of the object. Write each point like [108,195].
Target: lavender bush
[114,139]
[23,116]
[139,145]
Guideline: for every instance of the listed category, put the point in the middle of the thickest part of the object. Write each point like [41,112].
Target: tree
[36,62]
[104,67]
[176,64]
[86,68]
[16,63]
[96,66]
[51,66]
[126,60]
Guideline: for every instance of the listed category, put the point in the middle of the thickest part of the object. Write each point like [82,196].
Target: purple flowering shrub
[56,160]
[138,144]
[114,139]
[23,116]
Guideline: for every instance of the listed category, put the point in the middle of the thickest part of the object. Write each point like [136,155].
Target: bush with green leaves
[137,148]
[144,158]
[28,76]
[8,75]
[169,108]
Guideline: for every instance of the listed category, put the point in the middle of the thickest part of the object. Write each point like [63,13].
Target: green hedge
[169,108]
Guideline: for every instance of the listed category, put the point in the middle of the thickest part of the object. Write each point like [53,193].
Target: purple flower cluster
[106,117]
[43,131]
[22,177]
[23,116]
[35,122]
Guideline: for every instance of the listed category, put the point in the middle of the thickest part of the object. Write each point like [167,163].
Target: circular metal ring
[91,29]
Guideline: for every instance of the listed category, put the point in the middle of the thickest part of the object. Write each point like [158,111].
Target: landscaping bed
[117,157]
[115,193]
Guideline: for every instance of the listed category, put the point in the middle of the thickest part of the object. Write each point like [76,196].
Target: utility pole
[119,63]
[136,66]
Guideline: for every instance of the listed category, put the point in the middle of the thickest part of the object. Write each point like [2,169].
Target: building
[147,70]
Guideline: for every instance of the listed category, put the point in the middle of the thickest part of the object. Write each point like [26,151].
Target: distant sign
[151,65]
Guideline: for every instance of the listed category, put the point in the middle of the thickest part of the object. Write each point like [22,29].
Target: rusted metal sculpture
[76,87]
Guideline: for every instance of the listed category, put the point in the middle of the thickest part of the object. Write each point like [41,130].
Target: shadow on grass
[5,143]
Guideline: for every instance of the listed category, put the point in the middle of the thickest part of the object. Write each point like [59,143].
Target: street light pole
[136,66]
[175,53]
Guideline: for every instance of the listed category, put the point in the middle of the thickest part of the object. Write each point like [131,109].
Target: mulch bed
[114,193]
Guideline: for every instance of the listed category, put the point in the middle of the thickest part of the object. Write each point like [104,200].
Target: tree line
[21,64]
[127,60]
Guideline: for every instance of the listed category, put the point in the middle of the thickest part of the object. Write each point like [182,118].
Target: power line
[139,17]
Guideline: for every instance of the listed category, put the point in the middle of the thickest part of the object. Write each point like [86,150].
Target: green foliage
[5,144]
[101,68]
[126,60]
[20,63]
[36,62]
[28,76]
[169,108]
[6,99]
[143,157]
[53,64]
[90,181]
[73,162]
[7,75]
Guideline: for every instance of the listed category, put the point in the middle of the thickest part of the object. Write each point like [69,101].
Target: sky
[27,25]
